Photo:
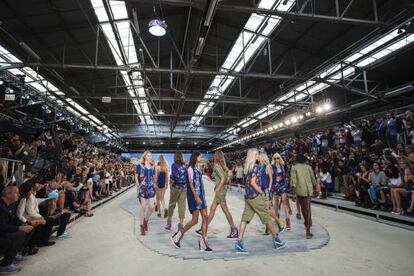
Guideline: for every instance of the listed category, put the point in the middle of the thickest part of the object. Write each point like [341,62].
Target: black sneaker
[176,241]
[47,243]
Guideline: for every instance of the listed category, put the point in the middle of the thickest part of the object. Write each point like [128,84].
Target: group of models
[262,180]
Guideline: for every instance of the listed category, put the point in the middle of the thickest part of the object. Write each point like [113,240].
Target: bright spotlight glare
[308,114]
[294,120]
[327,106]
[319,109]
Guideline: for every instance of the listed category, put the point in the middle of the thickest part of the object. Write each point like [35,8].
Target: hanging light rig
[157,26]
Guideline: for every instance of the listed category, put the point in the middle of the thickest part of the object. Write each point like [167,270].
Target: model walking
[303,180]
[255,203]
[144,177]
[280,188]
[266,177]
[178,189]
[162,176]
[196,204]
[221,178]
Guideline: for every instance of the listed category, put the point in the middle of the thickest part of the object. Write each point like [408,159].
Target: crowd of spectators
[371,161]
[55,174]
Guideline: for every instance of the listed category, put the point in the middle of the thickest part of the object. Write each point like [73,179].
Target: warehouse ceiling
[223,70]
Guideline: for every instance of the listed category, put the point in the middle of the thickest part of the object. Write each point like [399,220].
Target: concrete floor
[106,245]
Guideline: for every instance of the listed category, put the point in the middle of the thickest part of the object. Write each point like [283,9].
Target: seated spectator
[362,186]
[55,217]
[13,233]
[404,190]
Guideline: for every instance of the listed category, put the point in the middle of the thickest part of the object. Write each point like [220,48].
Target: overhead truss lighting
[254,34]
[366,55]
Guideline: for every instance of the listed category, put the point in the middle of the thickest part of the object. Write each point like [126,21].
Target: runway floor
[107,244]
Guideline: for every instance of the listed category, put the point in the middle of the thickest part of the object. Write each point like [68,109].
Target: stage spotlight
[327,106]
[318,110]
[308,114]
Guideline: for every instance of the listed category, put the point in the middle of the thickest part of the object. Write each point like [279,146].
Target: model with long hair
[280,188]
[255,203]
[266,178]
[221,178]
[145,180]
[196,203]
[162,176]
[178,189]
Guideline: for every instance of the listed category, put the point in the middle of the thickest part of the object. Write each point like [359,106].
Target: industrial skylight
[334,73]
[118,13]
[254,34]
[50,91]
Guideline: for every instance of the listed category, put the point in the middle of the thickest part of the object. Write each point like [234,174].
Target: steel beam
[285,15]
[206,73]
[167,115]
[229,100]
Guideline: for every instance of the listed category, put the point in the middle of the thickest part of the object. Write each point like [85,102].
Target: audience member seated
[14,234]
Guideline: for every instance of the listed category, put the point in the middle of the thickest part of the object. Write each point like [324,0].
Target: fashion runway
[106,244]
[158,239]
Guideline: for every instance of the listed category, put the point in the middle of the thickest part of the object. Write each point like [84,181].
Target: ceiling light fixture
[157,26]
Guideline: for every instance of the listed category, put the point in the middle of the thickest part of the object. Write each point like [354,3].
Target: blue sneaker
[278,243]
[64,236]
[240,248]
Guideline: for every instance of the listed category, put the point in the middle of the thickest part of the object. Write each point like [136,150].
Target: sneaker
[64,236]
[203,246]
[176,240]
[199,232]
[240,248]
[266,233]
[168,226]
[234,234]
[278,243]
[281,226]
[288,224]
[11,268]
[159,215]
[298,216]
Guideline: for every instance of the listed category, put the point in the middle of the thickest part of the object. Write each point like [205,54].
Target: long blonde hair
[250,160]
[142,160]
[219,159]
[162,163]
[281,161]
[263,158]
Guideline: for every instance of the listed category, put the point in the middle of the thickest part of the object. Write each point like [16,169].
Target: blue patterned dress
[145,178]
[199,190]
[264,182]
[280,183]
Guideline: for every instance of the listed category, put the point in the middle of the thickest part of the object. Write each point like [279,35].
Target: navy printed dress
[280,183]
[199,190]
[145,178]
[264,181]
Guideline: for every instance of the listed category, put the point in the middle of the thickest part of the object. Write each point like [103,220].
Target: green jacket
[302,179]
